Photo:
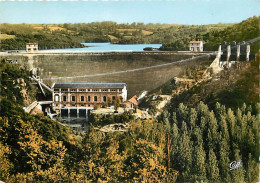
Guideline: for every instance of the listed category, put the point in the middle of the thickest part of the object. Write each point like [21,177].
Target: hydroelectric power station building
[75,100]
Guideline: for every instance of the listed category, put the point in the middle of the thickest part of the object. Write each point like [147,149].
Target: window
[64,98]
[73,98]
[64,90]
[82,98]
[114,98]
[56,98]
[73,89]
[89,98]
[82,90]
[104,98]
[56,89]
[95,98]
[34,48]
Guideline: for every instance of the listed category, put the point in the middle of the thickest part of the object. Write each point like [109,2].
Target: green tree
[212,168]
[184,154]
[199,166]
[239,173]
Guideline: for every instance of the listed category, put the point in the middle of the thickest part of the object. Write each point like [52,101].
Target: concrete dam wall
[54,65]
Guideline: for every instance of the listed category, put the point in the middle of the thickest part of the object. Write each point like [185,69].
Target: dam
[51,65]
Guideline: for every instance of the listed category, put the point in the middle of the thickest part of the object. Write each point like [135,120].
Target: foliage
[72,35]
[10,85]
[178,45]
[101,120]
[244,31]
[35,148]
[208,141]
[232,88]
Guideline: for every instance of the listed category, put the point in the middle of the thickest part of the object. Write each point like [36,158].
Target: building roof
[195,41]
[133,100]
[88,85]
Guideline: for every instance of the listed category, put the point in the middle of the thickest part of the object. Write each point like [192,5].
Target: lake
[109,47]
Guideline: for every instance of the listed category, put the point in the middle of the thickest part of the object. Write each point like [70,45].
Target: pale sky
[128,11]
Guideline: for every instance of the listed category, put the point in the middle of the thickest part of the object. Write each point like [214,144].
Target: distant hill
[244,31]
[15,36]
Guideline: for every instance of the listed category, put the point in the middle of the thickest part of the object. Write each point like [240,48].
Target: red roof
[133,100]
[195,41]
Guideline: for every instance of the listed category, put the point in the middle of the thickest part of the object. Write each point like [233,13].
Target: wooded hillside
[244,31]
[15,36]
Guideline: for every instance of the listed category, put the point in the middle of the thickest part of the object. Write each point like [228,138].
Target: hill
[15,36]
[244,31]
[232,88]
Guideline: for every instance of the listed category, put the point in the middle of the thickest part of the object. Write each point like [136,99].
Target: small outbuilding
[131,103]
[196,46]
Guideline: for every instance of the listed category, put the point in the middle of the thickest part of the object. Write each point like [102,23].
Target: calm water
[109,47]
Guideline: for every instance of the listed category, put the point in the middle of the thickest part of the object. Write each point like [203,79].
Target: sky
[128,11]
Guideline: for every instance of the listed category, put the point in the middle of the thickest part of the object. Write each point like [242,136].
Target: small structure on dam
[75,100]
[196,46]
[32,47]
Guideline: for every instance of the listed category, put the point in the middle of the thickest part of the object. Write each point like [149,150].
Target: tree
[199,166]
[6,165]
[224,161]
[239,173]
[33,158]
[166,116]
[184,154]
[252,172]
[212,168]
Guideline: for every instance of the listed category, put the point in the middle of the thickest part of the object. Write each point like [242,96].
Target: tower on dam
[31,47]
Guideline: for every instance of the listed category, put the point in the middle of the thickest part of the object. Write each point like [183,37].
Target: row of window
[29,49]
[82,98]
[84,90]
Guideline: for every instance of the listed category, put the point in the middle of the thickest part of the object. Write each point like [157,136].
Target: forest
[244,31]
[185,143]
[174,37]
[15,36]
[194,139]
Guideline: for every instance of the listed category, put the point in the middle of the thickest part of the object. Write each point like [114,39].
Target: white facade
[31,47]
[124,94]
[196,46]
